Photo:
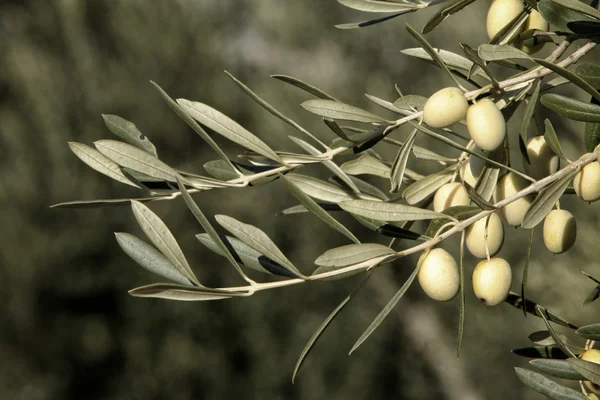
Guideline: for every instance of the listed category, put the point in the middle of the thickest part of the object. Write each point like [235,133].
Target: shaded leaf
[426,187]
[444,13]
[223,125]
[100,162]
[557,368]
[571,108]
[579,6]
[478,63]
[336,110]
[529,111]
[220,169]
[526,272]
[544,338]
[304,86]
[150,258]
[363,24]
[558,16]
[387,229]
[399,165]
[352,254]
[388,211]
[589,370]
[589,72]
[496,52]
[411,101]
[584,27]
[572,77]
[591,332]
[181,293]
[127,131]
[106,202]
[545,352]
[547,387]
[594,294]
[543,314]
[545,201]
[516,301]
[364,187]
[552,139]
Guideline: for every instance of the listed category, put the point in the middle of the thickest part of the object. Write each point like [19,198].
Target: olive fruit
[592,355]
[450,194]
[587,182]
[501,12]
[475,236]
[537,22]
[491,281]
[486,124]
[542,160]
[445,107]
[438,275]
[560,231]
[508,185]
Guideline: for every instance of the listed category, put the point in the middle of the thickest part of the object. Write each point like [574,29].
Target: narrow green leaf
[444,13]
[526,270]
[331,124]
[594,295]
[375,6]
[388,105]
[315,337]
[431,51]
[552,140]
[223,125]
[413,101]
[162,238]
[591,332]
[150,258]
[461,317]
[363,24]
[545,201]
[478,63]
[336,110]
[516,301]
[477,198]
[496,52]
[542,313]
[579,6]
[106,202]
[547,387]
[325,191]
[589,370]
[100,162]
[558,16]
[571,108]
[544,338]
[451,60]
[352,254]
[390,230]
[571,76]
[423,188]
[180,293]
[272,109]
[388,211]
[314,208]
[364,187]
[545,352]
[132,157]
[399,165]
[244,254]
[257,239]
[304,86]
[366,165]
[386,310]
[589,72]
[591,136]
[127,131]
[557,368]
[529,111]
[192,124]
[221,170]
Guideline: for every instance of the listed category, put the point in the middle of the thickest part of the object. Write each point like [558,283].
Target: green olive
[491,281]
[587,182]
[438,275]
[475,236]
[508,185]
[450,194]
[560,231]
[445,107]
[486,124]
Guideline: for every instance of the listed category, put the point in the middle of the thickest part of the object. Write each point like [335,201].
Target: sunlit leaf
[557,368]
[399,165]
[106,202]
[324,191]
[363,24]
[352,254]
[426,187]
[150,258]
[127,131]
[366,165]
[547,387]
[304,86]
[388,211]
[529,111]
[411,101]
[181,293]
[100,162]
[364,187]
[545,201]
[558,16]
[337,110]
[571,108]
[388,105]
[220,169]
[552,140]
[375,6]
[495,52]
[451,60]
[543,314]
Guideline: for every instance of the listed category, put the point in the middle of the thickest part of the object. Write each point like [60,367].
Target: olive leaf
[579,7]
[557,368]
[387,105]
[461,316]
[545,201]
[390,230]
[364,187]
[591,332]
[337,110]
[587,369]
[352,254]
[375,6]
[150,258]
[304,86]
[559,16]
[526,271]
[544,352]
[453,61]
[458,213]
[107,202]
[127,131]
[374,21]
[325,191]
[100,162]
[543,314]
[529,111]
[388,211]
[547,387]
[366,165]
[589,72]
[552,140]
[425,187]
[497,52]
[571,108]
[571,76]
[399,165]
[444,13]
[181,293]
[517,301]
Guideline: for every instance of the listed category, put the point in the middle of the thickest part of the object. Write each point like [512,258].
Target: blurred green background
[69,330]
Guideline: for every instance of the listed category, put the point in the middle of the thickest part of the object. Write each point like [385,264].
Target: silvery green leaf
[386,310]
[244,254]
[421,152]
[329,164]
[390,230]
[411,101]
[572,77]
[387,105]
[131,157]
[459,213]
[375,6]
[559,16]
[495,52]
[298,209]
[223,125]
[336,110]
[363,24]
[388,211]
[571,108]
[552,140]
[220,169]
[100,162]
[579,6]
[591,332]
[364,187]
[547,387]
[544,338]
[150,258]
[257,239]
[180,293]
[366,165]
[127,131]
[162,238]
[192,124]
[426,186]
[106,202]
[315,209]
[545,201]
[589,370]
[331,124]
[557,368]
[399,165]
[451,60]
[529,111]
[546,352]
[444,13]
[589,72]
[304,86]
[352,254]
[478,63]
[324,191]
[294,158]
[313,340]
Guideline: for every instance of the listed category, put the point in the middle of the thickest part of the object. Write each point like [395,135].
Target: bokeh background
[68,328]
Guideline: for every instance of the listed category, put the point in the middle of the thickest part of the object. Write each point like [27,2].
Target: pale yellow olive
[508,185]
[445,107]
[543,161]
[491,281]
[450,194]
[591,355]
[475,237]
[501,12]
[486,124]
[560,231]
[587,182]
[438,275]
[537,22]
